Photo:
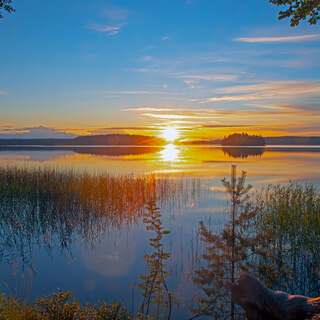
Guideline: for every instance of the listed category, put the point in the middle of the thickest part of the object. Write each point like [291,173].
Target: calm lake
[81,225]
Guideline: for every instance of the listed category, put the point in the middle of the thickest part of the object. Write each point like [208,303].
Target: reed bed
[273,234]
[51,208]
[290,216]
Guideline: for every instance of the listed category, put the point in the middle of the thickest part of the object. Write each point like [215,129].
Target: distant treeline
[103,140]
[294,140]
[243,139]
[88,149]
[235,139]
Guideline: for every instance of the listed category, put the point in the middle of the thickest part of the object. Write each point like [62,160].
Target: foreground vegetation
[157,299]
[273,234]
[43,209]
[60,306]
[50,208]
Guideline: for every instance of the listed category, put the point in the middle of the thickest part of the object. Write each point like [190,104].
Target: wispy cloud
[146,58]
[173,113]
[3,92]
[309,37]
[130,128]
[271,107]
[110,29]
[308,129]
[148,48]
[10,131]
[35,132]
[266,118]
[264,115]
[167,116]
[276,87]
[118,130]
[226,126]
[191,83]
[114,18]
[4,125]
[146,70]
[165,38]
[147,109]
[209,77]
[306,108]
[269,90]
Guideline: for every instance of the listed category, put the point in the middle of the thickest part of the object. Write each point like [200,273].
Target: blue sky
[205,67]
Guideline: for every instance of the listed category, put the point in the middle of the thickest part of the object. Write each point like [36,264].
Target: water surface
[88,235]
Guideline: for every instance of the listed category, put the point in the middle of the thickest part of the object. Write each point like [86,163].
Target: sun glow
[170,134]
[170,153]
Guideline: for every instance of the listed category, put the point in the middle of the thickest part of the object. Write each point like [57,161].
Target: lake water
[96,247]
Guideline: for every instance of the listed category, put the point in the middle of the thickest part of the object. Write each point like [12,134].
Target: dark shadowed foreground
[261,303]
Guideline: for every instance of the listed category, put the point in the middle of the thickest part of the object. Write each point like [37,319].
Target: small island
[243,139]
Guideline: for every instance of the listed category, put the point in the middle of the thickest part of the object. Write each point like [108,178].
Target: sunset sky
[204,67]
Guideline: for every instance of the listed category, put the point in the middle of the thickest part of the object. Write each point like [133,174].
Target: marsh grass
[290,216]
[52,207]
[42,209]
[273,234]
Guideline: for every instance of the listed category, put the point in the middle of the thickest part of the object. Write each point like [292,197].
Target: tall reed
[273,234]
[290,216]
[51,208]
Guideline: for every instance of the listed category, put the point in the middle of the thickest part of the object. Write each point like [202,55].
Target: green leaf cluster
[6,6]
[299,10]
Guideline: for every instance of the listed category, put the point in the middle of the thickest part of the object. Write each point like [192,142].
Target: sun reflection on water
[170,153]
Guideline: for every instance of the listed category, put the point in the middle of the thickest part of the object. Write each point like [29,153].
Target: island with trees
[243,139]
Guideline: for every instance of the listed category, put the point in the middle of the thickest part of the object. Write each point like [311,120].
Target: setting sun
[170,134]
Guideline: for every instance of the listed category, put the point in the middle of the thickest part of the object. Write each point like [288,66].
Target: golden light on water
[170,153]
